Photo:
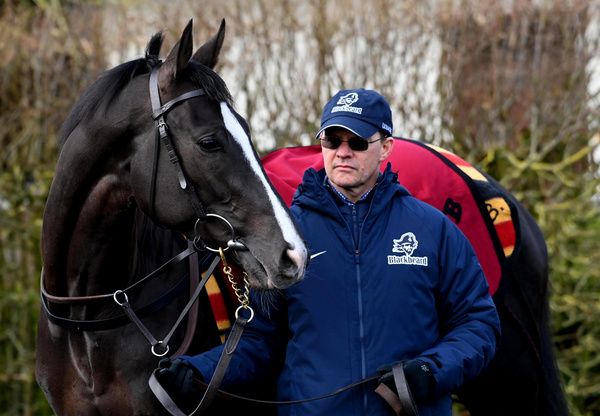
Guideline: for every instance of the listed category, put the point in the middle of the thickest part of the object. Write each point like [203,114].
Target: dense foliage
[508,88]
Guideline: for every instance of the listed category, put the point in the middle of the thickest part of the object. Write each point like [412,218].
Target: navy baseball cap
[361,111]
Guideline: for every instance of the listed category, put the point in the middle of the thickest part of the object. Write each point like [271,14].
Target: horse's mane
[104,90]
[152,246]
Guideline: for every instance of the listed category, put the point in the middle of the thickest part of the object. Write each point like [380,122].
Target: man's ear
[386,148]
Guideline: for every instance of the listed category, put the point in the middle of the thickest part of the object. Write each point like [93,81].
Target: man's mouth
[343,167]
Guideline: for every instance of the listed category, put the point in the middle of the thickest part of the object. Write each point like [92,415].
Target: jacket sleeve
[260,351]
[468,320]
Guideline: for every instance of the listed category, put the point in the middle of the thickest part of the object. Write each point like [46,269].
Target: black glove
[421,382]
[177,378]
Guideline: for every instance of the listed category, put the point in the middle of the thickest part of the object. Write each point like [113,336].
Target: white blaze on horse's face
[297,251]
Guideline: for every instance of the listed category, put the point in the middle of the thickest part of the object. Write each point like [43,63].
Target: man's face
[354,172]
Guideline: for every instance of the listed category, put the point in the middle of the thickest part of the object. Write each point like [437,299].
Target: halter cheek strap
[162,136]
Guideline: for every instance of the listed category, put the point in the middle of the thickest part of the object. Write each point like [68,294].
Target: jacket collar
[313,193]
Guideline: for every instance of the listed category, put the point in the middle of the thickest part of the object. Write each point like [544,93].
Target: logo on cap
[345,104]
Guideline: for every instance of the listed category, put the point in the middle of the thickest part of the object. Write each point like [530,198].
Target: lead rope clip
[242,293]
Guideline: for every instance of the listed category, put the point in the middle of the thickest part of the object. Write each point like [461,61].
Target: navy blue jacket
[394,280]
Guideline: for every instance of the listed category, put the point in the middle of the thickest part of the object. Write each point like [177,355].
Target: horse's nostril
[297,257]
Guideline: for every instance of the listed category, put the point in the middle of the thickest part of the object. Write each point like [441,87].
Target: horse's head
[218,171]
[217,189]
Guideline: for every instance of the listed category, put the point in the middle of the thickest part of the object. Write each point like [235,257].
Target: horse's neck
[96,250]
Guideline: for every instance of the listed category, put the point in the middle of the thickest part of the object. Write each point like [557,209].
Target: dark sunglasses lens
[355,143]
[359,145]
[330,142]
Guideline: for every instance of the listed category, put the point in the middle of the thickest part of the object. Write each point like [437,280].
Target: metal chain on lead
[242,293]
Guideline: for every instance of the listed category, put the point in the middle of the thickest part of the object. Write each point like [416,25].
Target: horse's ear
[178,58]
[208,54]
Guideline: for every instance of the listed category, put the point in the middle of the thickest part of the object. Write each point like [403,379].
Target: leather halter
[158,114]
[109,323]
[162,131]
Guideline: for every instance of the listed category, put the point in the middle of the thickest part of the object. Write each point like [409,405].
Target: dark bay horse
[523,378]
[150,152]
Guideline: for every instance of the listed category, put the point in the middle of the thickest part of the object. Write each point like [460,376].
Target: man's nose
[344,149]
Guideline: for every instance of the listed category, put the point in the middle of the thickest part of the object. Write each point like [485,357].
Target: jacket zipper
[361,328]
[356,231]
[359,280]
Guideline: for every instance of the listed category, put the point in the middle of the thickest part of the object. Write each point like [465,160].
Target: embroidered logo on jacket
[406,245]
[345,104]
[312,256]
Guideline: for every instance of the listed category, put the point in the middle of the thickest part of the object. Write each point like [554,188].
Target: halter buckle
[162,127]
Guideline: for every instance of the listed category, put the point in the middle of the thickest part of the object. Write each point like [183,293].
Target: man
[391,280]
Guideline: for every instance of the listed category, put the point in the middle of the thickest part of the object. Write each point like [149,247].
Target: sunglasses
[355,143]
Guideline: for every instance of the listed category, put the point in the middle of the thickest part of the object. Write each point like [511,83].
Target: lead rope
[232,340]
[229,348]
[399,403]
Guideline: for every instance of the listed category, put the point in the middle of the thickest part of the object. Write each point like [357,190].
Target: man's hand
[421,382]
[177,378]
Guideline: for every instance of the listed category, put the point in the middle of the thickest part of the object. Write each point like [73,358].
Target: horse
[523,377]
[119,208]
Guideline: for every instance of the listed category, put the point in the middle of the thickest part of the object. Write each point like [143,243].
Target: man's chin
[344,185]
[348,188]
[344,178]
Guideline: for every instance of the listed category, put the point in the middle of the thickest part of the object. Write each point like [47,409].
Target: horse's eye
[209,144]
